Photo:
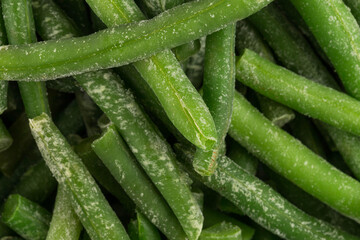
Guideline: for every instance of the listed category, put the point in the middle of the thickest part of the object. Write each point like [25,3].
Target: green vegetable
[86,197]
[117,46]
[64,224]
[335,29]
[293,160]
[142,229]
[26,218]
[3,84]
[117,158]
[20,28]
[218,92]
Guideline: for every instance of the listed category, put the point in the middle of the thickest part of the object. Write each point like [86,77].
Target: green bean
[333,20]
[88,202]
[213,217]
[117,158]
[64,224]
[218,92]
[224,230]
[299,93]
[312,206]
[303,129]
[36,184]
[3,84]
[90,113]
[26,218]
[291,48]
[292,160]
[297,55]
[355,8]
[20,28]
[142,229]
[248,37]
[118,46]
[101,174]
[5,137]
[78,11]
[265,206]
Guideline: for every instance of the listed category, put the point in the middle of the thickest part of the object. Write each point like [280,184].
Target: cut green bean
[142,229]
[5,137]
[89,204]
[224,231]
[4,84]
[101,174]
[265,206]
[36,184]
[299,93]
[218,92]
[213,217]
[336,31]
[117,158]
[26,218]
[20,29]
[64,224]
[293,160]
[118,46]
[248,37]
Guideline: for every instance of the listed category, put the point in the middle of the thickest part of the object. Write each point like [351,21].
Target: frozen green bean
[121,45]
[64,224]
[20,29]
[248,37]
[185,51]
[26,218]
[265,206]
[118,159]
[218,92]
[90,205]
[291,159]
[336,31]
[299,93]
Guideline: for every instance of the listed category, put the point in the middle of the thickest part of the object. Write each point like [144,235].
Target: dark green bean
[26,218]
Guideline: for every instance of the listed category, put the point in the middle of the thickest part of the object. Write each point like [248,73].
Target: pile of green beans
[179,119]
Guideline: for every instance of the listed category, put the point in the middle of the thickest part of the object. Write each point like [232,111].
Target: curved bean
[121,45]
[291,159]
[336,31]
[86,197]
